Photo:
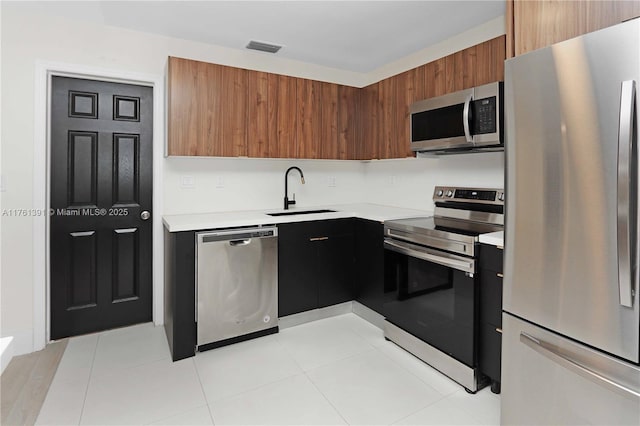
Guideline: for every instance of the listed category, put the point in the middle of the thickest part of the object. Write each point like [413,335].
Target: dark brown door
[101,183]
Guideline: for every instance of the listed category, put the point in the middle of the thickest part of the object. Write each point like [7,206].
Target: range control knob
[449,193]
[501,196]
[439,192]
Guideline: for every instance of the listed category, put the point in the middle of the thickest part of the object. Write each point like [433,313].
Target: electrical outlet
[331,180]
[219,182]
[187,182]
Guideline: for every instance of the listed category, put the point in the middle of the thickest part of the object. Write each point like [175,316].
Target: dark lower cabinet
[180,293]
[369,276]
[335,269]
[297,285]
[490,330]
[315,264]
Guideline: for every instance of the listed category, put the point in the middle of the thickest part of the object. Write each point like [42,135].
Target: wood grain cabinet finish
[385,105]
[221,111]
[202,120]
[535,24]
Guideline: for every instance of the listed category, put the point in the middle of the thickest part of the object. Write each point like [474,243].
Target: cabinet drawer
[490,351]
[491,258]
[490,297]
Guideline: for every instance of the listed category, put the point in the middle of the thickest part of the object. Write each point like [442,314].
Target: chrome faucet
[288,203]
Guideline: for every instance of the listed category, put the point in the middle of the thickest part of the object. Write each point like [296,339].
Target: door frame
[44,71]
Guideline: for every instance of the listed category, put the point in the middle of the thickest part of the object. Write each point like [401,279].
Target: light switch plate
[219,182]
[331,181]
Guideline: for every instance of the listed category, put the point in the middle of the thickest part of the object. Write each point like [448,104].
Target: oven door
[436,297]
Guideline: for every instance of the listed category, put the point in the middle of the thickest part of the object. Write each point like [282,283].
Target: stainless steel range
[430,263]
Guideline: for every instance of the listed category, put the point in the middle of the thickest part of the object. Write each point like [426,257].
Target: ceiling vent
[263,47]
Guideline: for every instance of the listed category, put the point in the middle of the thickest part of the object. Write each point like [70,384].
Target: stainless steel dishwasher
[236,285]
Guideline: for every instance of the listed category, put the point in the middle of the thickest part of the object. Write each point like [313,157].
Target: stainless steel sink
[294,212]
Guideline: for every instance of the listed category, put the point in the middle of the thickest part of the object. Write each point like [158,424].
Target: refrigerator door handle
[465,119]
[548,350]
[626,195]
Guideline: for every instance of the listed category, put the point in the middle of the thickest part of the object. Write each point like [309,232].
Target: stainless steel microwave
[468,120]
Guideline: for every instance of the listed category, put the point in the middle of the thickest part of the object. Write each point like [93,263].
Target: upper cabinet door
[532,25]
[207,109]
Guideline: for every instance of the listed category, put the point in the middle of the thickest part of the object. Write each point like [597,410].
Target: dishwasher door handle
[235,243]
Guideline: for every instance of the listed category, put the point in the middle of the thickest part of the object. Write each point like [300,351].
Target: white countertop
[377,212]
[493,238]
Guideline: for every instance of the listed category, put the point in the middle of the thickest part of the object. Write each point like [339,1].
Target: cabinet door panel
[491,258]
[349,122]
[368,149]
[258,114]
[489,351]
[329,147]
[538,24]
[490,298]
[335,270]
[297,280]
[282,116]
[207,109]
[386,120]
[308,110]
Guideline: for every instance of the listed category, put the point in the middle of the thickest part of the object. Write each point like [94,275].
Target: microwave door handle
[626,195]
[465,119]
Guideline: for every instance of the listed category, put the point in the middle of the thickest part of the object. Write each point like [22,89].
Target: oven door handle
[430,256]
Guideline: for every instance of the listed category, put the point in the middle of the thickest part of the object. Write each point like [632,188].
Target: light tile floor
[334,371]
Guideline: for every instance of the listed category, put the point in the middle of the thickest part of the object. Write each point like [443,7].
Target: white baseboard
[22,342]
[6,352]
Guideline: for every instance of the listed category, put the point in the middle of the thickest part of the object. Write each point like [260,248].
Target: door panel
[82,282]
[561,264]
[125,259]
[101,180]
[83,164]
[126,168]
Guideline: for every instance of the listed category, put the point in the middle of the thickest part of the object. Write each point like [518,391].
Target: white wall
[410,182]
[248,184]
[28,37]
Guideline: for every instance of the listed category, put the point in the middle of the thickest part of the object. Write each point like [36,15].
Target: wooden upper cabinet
[216,110]
[329,147]
[258,109]
[202,121]
[309,118]
[349,122]
[532,25]
[367,145]
[283,123]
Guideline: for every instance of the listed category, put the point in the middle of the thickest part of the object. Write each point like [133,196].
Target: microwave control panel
[484,116]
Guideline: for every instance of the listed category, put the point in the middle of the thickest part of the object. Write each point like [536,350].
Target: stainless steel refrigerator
[571,322]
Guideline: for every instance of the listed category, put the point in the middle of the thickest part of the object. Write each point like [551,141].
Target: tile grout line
[167,356]
[86,391]
[418,410]
[326,398]
[204,394]
[414,375]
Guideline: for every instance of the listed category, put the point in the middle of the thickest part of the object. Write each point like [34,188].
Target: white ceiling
[356,36]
